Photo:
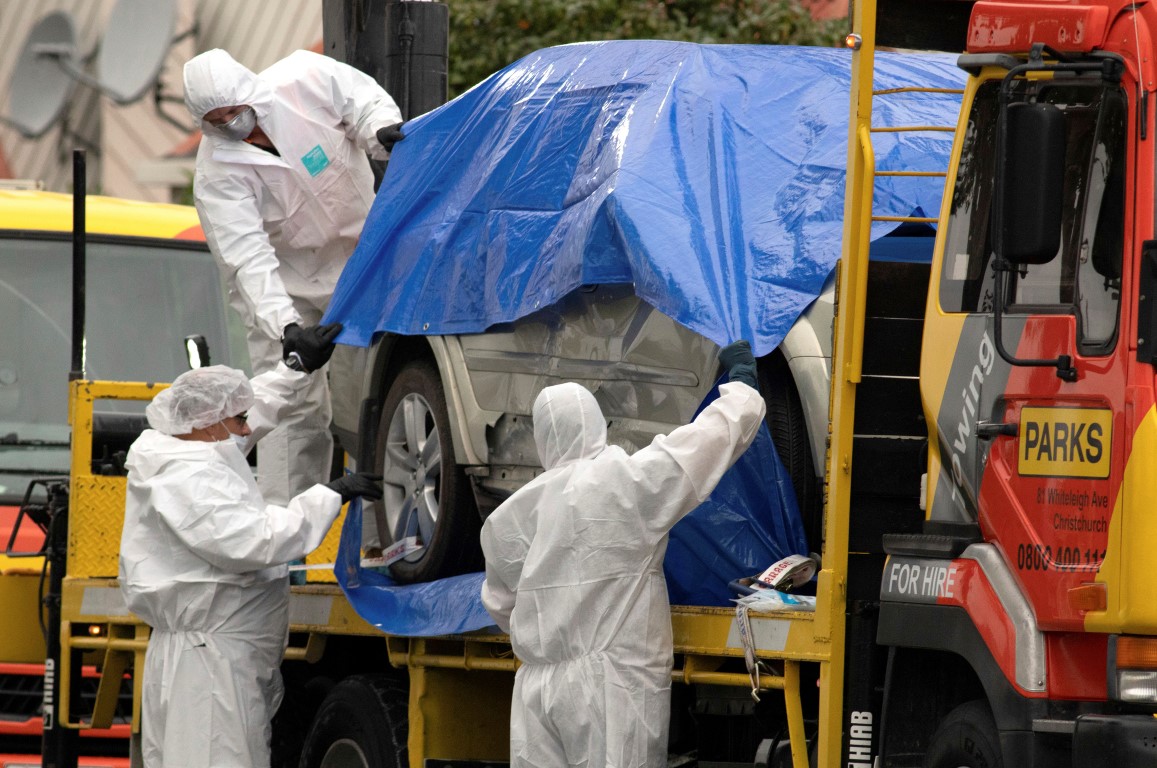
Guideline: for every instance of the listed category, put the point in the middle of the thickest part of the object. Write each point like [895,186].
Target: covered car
[609,213]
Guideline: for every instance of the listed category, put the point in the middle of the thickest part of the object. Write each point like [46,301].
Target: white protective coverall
[282,226]
[202,561]
[574,571]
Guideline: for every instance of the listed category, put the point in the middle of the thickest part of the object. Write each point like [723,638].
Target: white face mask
[240,442]
[240,126]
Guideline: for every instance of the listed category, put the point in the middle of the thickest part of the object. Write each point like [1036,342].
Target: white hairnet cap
[199,398]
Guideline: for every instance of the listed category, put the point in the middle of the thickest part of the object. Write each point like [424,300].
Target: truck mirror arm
[1066,371]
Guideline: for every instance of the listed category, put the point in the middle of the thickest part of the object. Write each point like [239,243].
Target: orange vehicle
[151,282]
[1018,620]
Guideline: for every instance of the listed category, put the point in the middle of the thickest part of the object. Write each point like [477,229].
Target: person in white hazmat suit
[202,562]
[283,186]
[574,572]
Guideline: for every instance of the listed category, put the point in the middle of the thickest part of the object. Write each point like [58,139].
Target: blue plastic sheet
[749,521]
[710,177]
[443,607]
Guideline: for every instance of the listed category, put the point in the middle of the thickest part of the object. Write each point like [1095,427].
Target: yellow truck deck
[446,673]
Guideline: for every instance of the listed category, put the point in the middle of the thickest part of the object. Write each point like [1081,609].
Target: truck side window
[1103,233]
[1084,278]
[966,275]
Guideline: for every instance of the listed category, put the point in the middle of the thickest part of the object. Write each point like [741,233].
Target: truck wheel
[361,724]
[785,420]
[426,493]
[966,738]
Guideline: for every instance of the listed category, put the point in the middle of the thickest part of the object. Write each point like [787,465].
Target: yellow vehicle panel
[52,212]
[21,642]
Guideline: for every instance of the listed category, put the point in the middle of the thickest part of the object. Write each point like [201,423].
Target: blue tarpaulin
[443,607]
[749,521]
[710,177]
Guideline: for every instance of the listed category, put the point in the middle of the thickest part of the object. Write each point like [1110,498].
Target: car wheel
[966,738]
[785,420]
[426,493]
[363,723]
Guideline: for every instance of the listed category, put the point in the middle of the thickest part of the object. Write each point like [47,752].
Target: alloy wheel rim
[412,472]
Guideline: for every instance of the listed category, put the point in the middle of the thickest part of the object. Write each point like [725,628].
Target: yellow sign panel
[1065,442]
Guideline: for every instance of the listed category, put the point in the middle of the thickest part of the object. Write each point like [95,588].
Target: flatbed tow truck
[453,700]
[1003,618]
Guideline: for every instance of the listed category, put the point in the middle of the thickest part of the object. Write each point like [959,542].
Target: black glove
[358,484]
[307,349]
[390,135]
[740,363]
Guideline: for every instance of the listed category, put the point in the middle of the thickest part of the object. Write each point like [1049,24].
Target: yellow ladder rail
[916,219]
[913,129]
[917,89]
[847,363]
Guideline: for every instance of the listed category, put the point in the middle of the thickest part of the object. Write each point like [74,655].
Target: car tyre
[785,420]
[966,738]
[427,494]
[362,723]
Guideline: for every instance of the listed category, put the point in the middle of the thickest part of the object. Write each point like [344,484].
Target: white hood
[568,425]
[215,79]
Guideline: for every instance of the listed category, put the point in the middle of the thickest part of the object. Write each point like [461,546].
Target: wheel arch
[366,712]
[308,682]
[468,421]
[923,686]
[938,660]
[810,367]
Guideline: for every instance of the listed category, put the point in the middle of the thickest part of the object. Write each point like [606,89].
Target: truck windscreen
[143,297]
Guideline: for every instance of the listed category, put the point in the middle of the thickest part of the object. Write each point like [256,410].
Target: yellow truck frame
[472,673]
[446,673]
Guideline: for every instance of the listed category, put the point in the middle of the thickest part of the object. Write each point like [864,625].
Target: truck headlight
[1137,685]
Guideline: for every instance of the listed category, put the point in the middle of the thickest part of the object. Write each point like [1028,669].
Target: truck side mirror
[1028,231]
[1026,226]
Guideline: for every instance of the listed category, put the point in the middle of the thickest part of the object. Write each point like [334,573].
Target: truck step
[937,539]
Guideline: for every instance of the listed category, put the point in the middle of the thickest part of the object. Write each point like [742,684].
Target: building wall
[49,157]
[827,9]
[129,142]
[256,32]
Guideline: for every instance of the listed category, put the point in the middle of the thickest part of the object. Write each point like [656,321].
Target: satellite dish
[39,88]
[136,40]
[135,43]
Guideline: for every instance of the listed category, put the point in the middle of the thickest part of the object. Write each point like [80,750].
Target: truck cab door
[1025,451]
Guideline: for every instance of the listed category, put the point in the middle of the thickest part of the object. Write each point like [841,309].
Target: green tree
[486,35]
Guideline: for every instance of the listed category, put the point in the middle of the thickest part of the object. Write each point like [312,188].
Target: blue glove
[736,357]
